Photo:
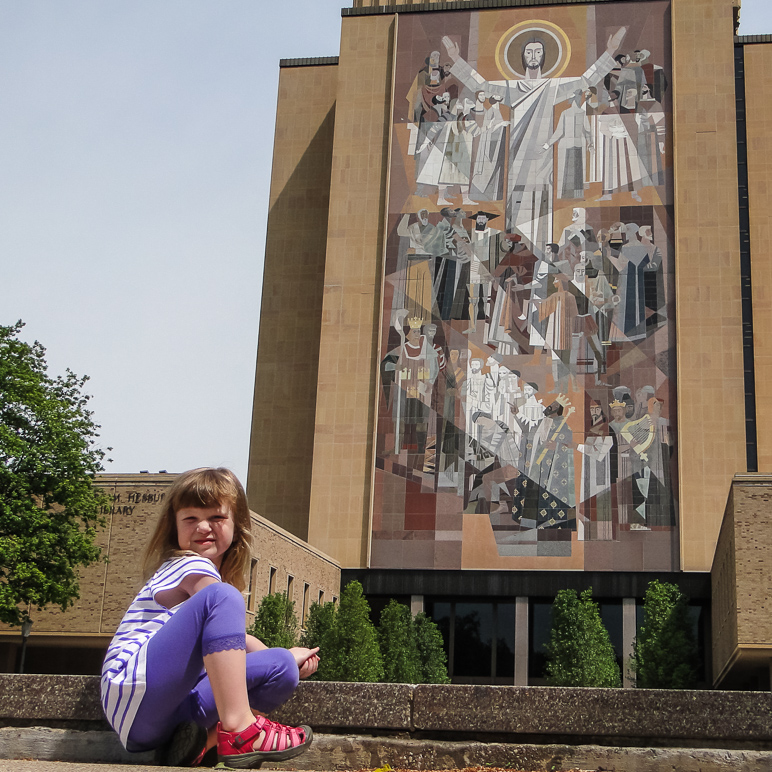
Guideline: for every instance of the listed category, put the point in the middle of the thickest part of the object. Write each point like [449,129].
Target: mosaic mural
[526,409]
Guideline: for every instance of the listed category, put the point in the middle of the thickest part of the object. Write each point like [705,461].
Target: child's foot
[265,740]
[185,748]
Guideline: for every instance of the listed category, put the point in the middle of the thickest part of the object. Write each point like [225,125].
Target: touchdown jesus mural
[526,414]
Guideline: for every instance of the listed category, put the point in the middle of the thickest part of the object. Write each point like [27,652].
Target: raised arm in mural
[532,100]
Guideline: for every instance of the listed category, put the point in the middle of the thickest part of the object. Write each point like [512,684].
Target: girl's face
[206,531]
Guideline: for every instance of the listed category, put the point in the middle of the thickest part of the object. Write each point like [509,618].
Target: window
[306,594]
[272,580]
[321,597]
[251,589]
[479,639]
[290,586]
[539,629]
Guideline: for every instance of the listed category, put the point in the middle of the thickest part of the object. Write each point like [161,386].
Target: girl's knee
[222,593]
[288,666]
[272,677]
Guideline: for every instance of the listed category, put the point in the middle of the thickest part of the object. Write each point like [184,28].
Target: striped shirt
[123,671]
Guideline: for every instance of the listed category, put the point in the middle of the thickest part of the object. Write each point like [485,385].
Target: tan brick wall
[758,107]
[724,594]
[108,588]
[753,562]
[741,576]
[340,495]
[711,412]
[277,549]
[282,437]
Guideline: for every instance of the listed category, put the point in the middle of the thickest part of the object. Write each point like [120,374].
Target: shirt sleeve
[171,573]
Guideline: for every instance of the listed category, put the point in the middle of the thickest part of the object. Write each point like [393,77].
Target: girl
[181,675]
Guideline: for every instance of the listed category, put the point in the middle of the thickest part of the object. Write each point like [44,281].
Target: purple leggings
[178,688]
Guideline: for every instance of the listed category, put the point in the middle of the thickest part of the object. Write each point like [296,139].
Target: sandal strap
[245,735]
[284,737]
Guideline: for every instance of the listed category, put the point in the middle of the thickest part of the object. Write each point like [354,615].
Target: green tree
[396,635]
[431,650]
[320,631]
[356,655]
[665,649]
[275,622]
[579,652]
[49,506]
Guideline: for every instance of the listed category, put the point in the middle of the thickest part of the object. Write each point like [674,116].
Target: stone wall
[434,727]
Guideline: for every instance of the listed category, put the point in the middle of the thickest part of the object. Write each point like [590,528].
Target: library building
[516,325]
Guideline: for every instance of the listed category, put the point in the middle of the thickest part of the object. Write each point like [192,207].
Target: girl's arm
[188,587]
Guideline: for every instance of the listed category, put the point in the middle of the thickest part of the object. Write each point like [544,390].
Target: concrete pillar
[416,604]
[628,639]
[521,641]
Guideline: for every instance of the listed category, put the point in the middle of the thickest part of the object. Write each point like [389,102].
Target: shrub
[579,652]
[320,631]
[431,650]
[275,622]
[665,649]
[396,635]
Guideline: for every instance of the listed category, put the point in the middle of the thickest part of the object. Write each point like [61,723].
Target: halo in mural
[557,48]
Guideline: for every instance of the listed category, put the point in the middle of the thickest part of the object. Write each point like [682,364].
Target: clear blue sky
[135,153]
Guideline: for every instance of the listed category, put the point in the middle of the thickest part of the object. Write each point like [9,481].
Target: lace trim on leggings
[238,641]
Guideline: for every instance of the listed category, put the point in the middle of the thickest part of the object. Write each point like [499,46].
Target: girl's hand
[307,660]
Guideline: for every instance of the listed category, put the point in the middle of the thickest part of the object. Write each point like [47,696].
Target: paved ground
[18,765]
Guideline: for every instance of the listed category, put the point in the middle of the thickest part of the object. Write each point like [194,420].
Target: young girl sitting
[181,675]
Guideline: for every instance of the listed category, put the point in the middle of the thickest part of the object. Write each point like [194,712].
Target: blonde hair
[203,488]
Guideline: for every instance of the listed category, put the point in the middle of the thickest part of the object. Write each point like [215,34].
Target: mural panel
[526,408]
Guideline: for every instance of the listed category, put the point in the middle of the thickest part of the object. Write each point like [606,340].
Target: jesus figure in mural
[532,100]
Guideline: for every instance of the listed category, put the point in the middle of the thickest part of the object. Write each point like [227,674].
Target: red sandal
[265,740]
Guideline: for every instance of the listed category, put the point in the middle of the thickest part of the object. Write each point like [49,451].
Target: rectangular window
[306,596]
[252,588]
[474,639]
[321,597]
[290,586]
[272,580]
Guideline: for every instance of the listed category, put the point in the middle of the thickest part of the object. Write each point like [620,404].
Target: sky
[135,155]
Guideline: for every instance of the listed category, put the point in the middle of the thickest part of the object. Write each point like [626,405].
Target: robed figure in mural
[532,100]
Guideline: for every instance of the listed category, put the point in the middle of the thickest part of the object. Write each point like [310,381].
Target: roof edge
[459,5]
[309,61]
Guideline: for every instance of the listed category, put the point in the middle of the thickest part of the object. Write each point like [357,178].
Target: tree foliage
[320,631]
[49,507]
[356,640]
[275,622]
[579,652]
[402,650]
[396,635]
[431,650]
[665,648]
[347,639]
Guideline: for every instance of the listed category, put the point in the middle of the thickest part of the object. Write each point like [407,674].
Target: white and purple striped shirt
[123,671]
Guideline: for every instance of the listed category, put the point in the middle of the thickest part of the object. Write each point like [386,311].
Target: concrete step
[66,750]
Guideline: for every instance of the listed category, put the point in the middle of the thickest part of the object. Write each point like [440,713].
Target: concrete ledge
[629,717]
[623,713]
[351,752]
[50,697]
[349,706]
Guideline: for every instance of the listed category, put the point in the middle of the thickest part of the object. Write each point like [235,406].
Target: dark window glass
[505,640]
[611,616]
[473,639]
[539,635]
